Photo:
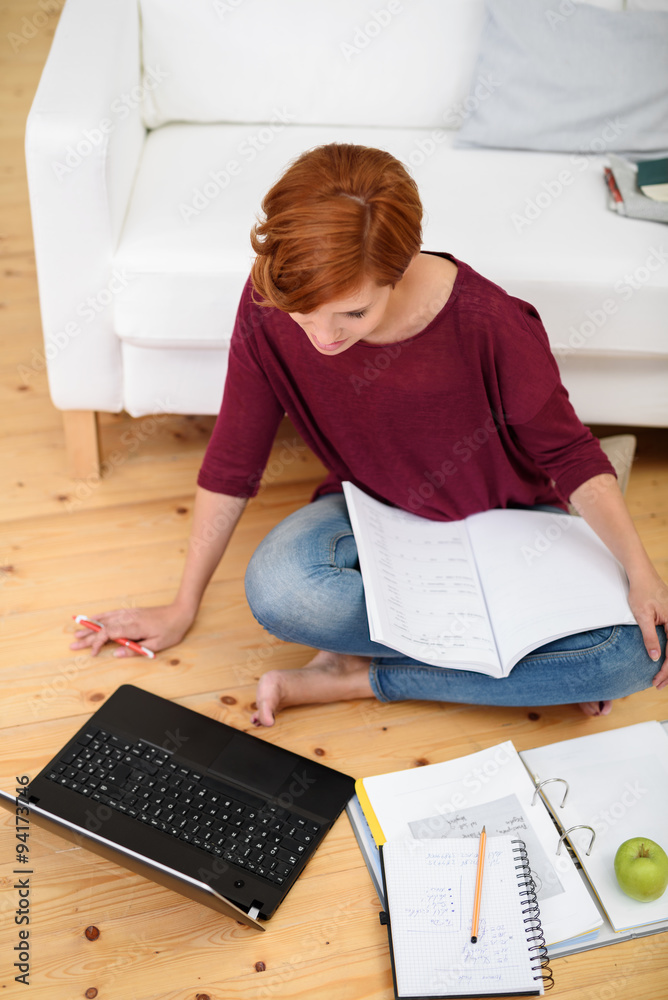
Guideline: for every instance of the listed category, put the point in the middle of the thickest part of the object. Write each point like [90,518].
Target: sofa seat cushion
[535,223]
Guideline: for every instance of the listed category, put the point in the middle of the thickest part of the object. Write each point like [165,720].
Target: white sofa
[158,125]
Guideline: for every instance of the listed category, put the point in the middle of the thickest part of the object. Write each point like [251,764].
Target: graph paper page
[430,891]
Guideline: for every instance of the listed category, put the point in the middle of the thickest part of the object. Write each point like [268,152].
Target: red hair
[341,214]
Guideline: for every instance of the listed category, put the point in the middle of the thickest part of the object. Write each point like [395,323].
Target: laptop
[215,814]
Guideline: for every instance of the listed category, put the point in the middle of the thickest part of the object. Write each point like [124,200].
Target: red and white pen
[98,626]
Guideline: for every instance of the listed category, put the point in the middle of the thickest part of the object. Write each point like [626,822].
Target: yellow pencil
[478,886]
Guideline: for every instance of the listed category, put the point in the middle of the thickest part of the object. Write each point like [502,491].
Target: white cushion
[169,381]
[535,223]
[393,62]
[620,390]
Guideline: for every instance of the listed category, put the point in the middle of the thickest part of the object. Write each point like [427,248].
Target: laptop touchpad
[252,763]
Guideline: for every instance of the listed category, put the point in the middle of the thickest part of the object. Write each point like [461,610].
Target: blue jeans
[304,585]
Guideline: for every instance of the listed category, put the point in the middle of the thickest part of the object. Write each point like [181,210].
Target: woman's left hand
[599,500]
[648,599]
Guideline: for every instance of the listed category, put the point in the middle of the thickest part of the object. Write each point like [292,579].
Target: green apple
[641,867]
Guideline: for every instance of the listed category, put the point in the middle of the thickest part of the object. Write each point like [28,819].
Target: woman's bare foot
[328,677]
[596,707]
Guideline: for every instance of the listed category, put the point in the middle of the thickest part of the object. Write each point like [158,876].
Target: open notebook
[481,593]
[429,890]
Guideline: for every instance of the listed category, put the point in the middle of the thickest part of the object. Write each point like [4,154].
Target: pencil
[478,886]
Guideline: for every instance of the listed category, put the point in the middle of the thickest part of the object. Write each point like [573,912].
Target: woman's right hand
[156,628]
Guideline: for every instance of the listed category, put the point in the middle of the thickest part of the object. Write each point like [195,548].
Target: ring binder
[531,915]
[547,781]
[578,826]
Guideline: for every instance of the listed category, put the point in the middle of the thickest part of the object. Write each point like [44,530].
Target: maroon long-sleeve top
[467,415]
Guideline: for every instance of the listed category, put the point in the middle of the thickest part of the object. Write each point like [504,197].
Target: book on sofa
[481,593]
[631,199]
[653,178]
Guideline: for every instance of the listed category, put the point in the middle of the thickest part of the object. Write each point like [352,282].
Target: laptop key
[301,837]
[89,735]
[287,856]
[294,847]
[119,773]
[144,765]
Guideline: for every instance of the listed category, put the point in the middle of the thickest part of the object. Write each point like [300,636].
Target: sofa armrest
[84,138]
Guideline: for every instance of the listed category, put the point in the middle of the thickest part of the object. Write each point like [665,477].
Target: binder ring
[546,782]
[580,826]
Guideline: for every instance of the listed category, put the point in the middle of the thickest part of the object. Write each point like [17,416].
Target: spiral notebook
[429,892]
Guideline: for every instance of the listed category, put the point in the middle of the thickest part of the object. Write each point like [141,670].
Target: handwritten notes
[427,586]
[430,887]
[502,816]
[465,595]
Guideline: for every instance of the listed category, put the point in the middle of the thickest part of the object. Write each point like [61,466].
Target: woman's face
[336,326]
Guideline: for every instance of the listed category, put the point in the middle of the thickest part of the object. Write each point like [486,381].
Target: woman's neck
[421,294]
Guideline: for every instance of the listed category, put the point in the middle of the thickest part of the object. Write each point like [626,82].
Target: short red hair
[339,215]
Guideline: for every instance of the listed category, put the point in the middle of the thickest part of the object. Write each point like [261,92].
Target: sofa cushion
[334,62]
[162,380]
[535,223]
[571,79]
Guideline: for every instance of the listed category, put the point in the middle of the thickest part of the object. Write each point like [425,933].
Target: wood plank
[152,457]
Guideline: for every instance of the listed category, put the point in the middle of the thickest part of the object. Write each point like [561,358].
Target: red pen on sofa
[98,626]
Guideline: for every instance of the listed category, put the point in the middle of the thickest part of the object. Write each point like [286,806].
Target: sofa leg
[81,443]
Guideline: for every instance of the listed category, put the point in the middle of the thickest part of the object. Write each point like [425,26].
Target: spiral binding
[531,913]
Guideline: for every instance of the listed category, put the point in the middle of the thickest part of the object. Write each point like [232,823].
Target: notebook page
[430,893]
[545,576]
[617,784]
[421,586]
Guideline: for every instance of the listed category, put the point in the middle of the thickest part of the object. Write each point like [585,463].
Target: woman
[425,384]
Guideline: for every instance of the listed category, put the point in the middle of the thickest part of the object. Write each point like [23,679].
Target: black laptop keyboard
[143,782]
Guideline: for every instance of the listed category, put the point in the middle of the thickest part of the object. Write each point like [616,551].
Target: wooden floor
[68,547]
